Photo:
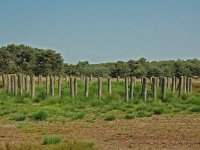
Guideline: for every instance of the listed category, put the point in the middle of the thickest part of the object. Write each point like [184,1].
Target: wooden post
[187,85]
[180,86]
[20,84]
[27,83]
[47,85]
[153,87]
[173,84]
[118,78]
[109,86]
[4,82]
[184,84]
[23,82]
[15,84]
[167,82]
[99,87]
[190,84]
[144,88]
[66,79]
[126,90]
[91,78]
[52,81]
[131,87]
[163,88]
[33,86]
[75,85]
[9,83]
[40,80]
[71,87]
[86,87]
[60,86]
[12,84]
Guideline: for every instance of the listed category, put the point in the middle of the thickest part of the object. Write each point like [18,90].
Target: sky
[104,30]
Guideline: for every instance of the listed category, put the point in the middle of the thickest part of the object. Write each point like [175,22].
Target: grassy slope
[80,109]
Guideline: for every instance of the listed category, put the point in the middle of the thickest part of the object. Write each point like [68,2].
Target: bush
[129,116]
[41,115]
[195,109]
[110,118]
[80,115]
[143,113]
[52,139]
[19,117]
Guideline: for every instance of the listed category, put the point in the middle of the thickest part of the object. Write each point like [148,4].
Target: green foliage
[28,60]
[129,116]
[80,115]
[40,115]
[195,109]
[52,139]
[19,117]
[110,118]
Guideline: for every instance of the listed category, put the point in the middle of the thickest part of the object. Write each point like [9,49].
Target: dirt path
[157,132]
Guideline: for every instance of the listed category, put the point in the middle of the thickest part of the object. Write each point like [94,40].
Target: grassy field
[89,123]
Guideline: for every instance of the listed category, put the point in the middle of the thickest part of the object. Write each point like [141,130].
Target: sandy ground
[157,132]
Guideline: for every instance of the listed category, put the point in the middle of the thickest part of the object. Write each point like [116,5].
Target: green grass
[110,118]
[129,116]
[40,115]
[19,117]
[64,109]
[52,139]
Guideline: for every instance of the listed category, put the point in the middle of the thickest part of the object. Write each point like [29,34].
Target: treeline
[28,60]
[137,68]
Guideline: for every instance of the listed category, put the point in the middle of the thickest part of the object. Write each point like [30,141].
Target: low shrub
[19,117]
[41,115]
[52,139]
[110,118]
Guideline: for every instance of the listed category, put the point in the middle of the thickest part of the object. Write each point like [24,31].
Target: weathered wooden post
[23,82]
[71,87]
[190,84]
[52,81]
[99,87]
[126,90]
[15,84]
[163,88]
[60,86]
[33,86]
[9,83]
[4,82]
[167,82]
[66,79]
[144,88]
[47,85]
[153,87]
[75,85]
[20,80]
[86,87]
[131,87]
[118,77]
[83,78]
[109,86]
[91,78]
[187,85]
[40,80]
[180,86]
[27,83]
[184,84]
[173,84]
[12,83]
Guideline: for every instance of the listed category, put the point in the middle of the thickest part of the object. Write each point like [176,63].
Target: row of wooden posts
[18,84]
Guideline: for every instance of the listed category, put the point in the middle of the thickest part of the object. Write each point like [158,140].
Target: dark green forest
[28,60]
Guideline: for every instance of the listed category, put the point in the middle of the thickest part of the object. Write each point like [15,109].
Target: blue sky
[104,30]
